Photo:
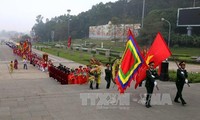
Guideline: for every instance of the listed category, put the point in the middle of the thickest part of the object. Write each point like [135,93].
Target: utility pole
[143,9]
[68,14]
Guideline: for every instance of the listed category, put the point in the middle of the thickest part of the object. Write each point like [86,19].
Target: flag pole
[178,66]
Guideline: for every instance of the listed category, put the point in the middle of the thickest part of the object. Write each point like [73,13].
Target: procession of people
[91,74]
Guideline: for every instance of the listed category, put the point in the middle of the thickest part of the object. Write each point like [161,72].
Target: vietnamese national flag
[158,52]
[69,42]
[141,74]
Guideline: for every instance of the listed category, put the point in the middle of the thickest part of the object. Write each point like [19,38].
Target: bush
[172,76]
[192,77]
[185,40]
[176,46]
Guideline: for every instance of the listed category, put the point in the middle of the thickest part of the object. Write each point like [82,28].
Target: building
[111,31]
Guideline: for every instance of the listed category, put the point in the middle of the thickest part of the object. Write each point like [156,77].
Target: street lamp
[163,19]
[52,36]
[143,9]
[68,14]
[165,64]
[194,3]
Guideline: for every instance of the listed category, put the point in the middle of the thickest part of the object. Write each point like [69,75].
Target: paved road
[32,95]
[189,67]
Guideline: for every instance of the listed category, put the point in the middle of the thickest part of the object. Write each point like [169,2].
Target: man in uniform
[180,81]
[108,75]
[151,76]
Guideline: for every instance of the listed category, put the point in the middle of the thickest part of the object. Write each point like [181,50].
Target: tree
[120,12]
[39,19]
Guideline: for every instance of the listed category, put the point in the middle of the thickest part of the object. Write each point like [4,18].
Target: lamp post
[163,19]
[165,64]
[143,9]
[194,3]
[68,14]
[52,36]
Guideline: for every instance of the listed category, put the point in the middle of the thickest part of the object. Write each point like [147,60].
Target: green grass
[186,51]
[77,56]
[116,46]
[186,54]
[120,46]
[178,52]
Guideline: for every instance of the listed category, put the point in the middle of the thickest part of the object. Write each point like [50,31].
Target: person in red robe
[15,64]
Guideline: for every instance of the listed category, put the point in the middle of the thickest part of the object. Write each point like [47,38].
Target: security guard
[180,81]
[108,75]
[151,76]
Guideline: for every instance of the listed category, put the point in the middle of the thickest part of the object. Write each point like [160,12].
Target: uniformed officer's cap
[151,62]
[182,63]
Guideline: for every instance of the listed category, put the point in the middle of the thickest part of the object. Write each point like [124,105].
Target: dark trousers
[179,87]
[108,83]
[25,66]
[149,94]
[91,85]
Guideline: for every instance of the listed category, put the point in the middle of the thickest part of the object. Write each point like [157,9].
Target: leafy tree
[25,37]
[120,12]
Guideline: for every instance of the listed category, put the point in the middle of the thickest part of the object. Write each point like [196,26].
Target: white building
[111,31]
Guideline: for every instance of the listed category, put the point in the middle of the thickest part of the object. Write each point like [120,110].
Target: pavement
[32,95]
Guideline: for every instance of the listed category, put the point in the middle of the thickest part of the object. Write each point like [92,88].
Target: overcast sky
[20,15]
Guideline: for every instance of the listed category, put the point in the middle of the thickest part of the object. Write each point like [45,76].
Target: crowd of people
[66,75]
[14,65]
[39,62]
[89,74]
[92,74]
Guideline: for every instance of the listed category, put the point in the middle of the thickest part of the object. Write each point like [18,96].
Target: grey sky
[20,15]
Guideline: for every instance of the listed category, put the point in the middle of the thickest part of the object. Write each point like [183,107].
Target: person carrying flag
[180,81]
[151,76]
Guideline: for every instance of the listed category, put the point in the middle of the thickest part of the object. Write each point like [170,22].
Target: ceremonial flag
[130,62]
[141,74]
[69,42]
[25,45]
[158,52]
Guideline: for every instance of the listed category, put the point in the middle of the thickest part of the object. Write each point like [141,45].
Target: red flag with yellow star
[158,52]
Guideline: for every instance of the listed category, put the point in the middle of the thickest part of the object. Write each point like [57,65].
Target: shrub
[172,76]
[176,46]
[193,77]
